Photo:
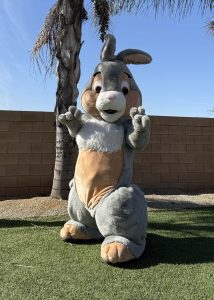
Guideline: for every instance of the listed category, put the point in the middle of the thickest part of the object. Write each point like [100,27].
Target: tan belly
[96,174]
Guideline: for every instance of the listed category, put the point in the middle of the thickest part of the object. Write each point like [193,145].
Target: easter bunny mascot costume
[103,203]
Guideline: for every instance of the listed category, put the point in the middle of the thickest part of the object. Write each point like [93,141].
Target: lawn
[177,263]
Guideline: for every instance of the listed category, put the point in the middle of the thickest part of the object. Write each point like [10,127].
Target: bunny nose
[111,95]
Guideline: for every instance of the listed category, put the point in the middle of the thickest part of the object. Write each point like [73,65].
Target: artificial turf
[177,263]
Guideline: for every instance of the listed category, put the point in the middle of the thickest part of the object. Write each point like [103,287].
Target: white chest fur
[100,136]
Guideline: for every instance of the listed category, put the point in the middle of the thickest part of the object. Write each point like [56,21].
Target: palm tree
[211,27]
[61,34]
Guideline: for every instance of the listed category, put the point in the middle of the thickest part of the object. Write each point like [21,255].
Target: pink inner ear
[136,59]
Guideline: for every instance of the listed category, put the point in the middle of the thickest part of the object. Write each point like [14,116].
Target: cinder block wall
[27,141]
[179,156]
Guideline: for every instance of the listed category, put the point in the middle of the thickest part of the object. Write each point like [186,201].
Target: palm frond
[44,51]
[211,27]
[101,15]
[102,10]
[180,7]
[46,48]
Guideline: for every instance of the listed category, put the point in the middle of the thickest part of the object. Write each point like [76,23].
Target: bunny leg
[121,218]
[82,225]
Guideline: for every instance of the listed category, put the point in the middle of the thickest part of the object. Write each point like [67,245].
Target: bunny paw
[72,114]
[116,253]
[70,232]
[140,121]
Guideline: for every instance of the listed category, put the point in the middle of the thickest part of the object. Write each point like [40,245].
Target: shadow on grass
[162,204]
[183,243]
[168,250]
[176,248]
[182,227]
[5,223]
[187,221]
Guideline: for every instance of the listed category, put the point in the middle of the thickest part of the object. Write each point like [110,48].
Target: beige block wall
[27,153]
[179,156]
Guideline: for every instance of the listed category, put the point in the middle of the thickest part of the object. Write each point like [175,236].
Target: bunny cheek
[88,100]
[132,100]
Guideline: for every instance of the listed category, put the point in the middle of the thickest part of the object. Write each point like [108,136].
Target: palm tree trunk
[68,72]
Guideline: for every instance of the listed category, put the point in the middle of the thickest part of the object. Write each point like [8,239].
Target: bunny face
[112,91]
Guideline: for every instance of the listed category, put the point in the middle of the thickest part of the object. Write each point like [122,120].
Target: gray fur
[109,47]
[111,71]
[112,66]
[127,56]
[74,120]
[139,133]
[121,215]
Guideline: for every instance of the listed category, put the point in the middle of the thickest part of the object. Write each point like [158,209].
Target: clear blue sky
[178,82]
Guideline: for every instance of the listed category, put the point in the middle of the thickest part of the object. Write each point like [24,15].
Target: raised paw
[70,232]
[72,114]
[140,121]
[116,253]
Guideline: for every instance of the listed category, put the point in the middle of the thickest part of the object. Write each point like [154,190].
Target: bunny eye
[125,87]
[125,91]
[97,87]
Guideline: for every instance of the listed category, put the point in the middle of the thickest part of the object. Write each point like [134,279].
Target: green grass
[177,263]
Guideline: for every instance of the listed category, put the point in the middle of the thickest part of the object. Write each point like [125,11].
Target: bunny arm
[75,125]
[74,119]
[138,132]
[138,139]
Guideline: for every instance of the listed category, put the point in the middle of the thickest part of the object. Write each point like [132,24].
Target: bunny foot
[116,253]
[70,232]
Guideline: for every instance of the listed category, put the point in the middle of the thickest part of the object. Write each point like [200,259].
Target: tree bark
[68,72]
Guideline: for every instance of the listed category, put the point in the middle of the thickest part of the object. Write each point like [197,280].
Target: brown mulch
[180,201]
[47,206]
[33,207]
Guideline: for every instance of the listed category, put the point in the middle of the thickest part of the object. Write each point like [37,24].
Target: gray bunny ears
[129,56]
